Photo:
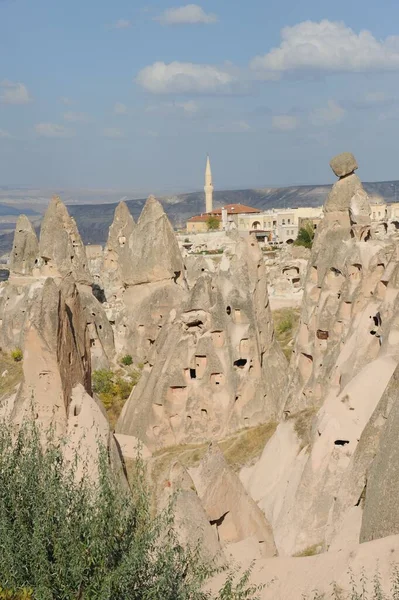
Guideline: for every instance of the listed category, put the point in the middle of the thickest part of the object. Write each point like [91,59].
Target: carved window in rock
[217,379]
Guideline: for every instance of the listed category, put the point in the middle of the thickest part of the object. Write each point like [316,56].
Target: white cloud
[75,117]
[285,122]
[52,130]
[66,101]
[328,115]
[182,78]
[119,108]
[189,14]
[13,93]
[328,46]
[122,24]
[4,134]
[113,133]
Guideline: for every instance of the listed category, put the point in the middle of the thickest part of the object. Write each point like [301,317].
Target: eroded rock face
[154,251]
[215,367]
[61,249]
[381,481]
[56,355]
[343,164]
[345,354]
[191,519]
[117,257]
[25,249]
[143,278]
[228,506]
[56,386]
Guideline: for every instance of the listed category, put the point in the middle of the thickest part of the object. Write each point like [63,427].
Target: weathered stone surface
[60,248]
[117,256]
[312,472]
[191,522]
[154,251]
[56,355]
[339,199]
[359,208]
[227,504]
[25,249]
[216,366]
[381,510]
[100,332]
[343,164]
[143,278]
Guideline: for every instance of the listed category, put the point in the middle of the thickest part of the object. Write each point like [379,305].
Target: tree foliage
[64,538]
[212,223]
[305,235]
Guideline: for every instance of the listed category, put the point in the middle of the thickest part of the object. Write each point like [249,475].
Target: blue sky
[132,95]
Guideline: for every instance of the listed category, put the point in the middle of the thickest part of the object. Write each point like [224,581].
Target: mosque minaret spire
[208,188]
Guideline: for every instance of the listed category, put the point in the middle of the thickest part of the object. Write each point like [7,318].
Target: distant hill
[11,211]
[93,220]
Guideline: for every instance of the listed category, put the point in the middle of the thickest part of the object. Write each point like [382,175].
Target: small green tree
[127,360]
[212,223]
[305,235]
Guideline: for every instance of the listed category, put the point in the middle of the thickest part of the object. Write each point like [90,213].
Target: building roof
[203,218]
[236,209]
[232,209]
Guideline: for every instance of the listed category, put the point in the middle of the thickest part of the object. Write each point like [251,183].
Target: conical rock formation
[25,249]
[61,249]
[345,354]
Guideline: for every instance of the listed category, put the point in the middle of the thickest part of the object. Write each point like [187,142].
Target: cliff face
[312,478]
[215,368]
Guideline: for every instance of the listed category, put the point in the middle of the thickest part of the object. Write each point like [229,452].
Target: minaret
[208,188]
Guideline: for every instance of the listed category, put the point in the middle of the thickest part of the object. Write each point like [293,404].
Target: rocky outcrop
[25,248]
[313,469]
[61,249]
[117,257]
[228,506]
[343,164]
[191,521]
[56,355]
[381,480]
[216,366]
[154,251]
[143,278]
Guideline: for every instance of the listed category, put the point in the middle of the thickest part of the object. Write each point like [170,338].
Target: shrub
[102,381]
[305,236]
[113,390]
[67,539]
[127,360]
[17,355]
[212,223]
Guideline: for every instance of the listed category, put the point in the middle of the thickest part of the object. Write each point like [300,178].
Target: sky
[132,94]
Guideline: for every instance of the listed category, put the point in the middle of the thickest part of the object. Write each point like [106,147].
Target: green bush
[113,390]
[305,236]
[68,539]
[17,355]
[127,360]
[102,381]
